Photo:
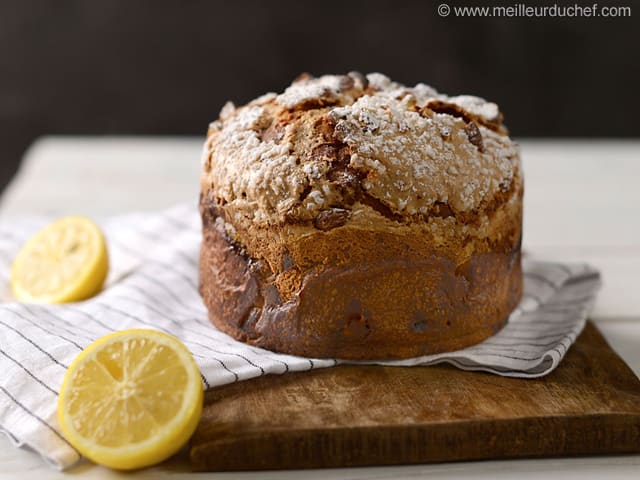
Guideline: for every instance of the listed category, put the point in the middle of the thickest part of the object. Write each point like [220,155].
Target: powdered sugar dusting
[260,176]
[381,82]
[410,157]
[326,87]
[477,106]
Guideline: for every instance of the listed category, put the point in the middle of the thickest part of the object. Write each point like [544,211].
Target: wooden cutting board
[370,415]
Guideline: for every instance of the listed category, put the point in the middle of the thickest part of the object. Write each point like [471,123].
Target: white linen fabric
[153,283]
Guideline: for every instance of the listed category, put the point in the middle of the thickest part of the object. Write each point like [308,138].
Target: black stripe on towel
[37,417]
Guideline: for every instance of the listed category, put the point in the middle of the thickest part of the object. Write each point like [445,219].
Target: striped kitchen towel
[153,284]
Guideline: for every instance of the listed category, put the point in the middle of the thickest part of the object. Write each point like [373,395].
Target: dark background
[166,67]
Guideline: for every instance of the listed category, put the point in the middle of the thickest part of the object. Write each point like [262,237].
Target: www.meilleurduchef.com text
[524,10]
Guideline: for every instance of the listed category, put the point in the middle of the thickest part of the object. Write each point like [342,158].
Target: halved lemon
[131,399]
[67,261]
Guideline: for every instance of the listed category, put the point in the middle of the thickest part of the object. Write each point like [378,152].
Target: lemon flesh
[131,399]
[67,261]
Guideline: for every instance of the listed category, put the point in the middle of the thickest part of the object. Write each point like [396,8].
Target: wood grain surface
[370,415]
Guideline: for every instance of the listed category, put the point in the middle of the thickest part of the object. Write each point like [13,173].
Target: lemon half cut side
[67,261]
[131,399]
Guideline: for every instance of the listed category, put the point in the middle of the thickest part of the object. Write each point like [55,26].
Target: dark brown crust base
[393,307]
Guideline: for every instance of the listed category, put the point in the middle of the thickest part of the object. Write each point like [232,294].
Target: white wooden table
[582,203]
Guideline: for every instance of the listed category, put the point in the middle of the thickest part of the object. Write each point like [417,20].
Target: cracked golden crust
[327,142]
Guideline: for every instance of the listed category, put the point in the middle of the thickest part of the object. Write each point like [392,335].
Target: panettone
[353,217]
